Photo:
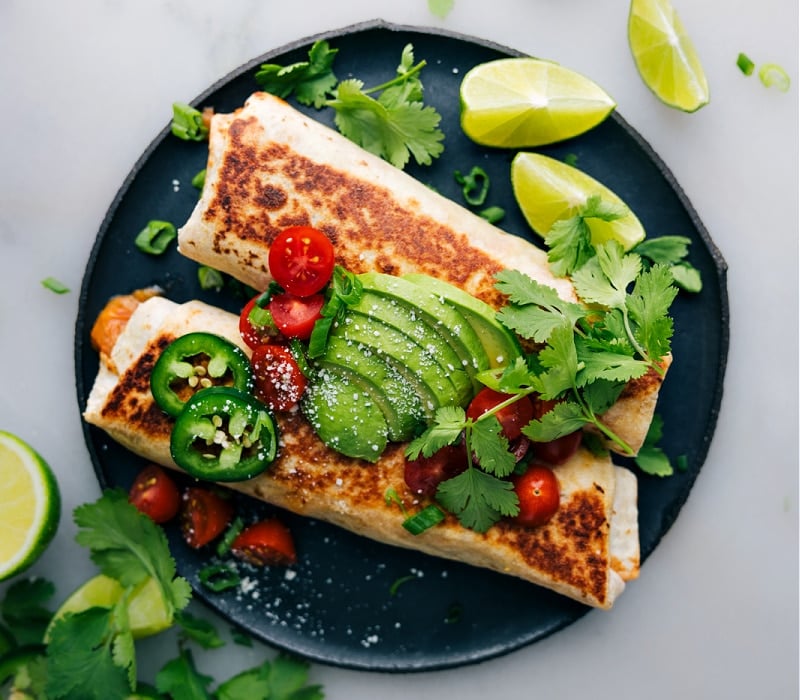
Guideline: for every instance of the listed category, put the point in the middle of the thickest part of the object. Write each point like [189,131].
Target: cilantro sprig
[389,120]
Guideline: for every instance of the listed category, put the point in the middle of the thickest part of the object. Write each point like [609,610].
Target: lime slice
[147,614]
[547,190]
[526,102]
[665,56]
[30,505]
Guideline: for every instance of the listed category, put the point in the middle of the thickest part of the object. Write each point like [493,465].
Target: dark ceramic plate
[341,604]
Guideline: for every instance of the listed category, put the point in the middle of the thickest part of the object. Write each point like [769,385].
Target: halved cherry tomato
[295,316]
[512,417]
[539,494]
[155,494]
[424,474]
[280,382]
[268,542]
[255,334]
[301,260]
[204,515]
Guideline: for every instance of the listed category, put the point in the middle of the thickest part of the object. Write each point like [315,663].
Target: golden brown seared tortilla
[271,167]
[586,551]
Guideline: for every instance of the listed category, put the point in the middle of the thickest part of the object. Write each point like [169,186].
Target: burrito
[271,167]
[587,551]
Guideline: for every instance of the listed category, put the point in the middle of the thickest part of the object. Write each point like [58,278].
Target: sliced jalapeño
[197,361]
[223,434]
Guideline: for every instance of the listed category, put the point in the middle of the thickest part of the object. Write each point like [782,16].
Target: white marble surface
[87,84]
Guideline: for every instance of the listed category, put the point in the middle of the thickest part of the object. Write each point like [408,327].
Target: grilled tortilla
[587,551]
[271,167]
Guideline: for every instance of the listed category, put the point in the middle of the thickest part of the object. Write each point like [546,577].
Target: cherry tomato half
[512,418]
[155,494]
[255,334]
[539,494]
[301,260]
[295,316]
[204,516]
[266,543]
[424,474]
[280,382]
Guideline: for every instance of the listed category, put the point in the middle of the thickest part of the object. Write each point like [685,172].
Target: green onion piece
[346,286]
[240,638]
[318,341]
[399,582]
[199,180]
[209,278]
[296,348]
[492,214]
[474,185]
[571,159]
[424,520]
[187,123]
[218,577]
[261,318]
[54,285]
[745,64]
[682,463]
[772,75]
[224,545]
[155,238]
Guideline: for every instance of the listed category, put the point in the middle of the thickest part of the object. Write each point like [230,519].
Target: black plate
[338,605]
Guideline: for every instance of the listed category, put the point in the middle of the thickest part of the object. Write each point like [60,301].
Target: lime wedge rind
[30,505]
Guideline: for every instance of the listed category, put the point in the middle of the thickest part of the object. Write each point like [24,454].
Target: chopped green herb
[345,288]
[188,123]
[199,180]
[745,64]
[224,545]
[682,463]
[54,285]
[571,159]
[651,458]
[155,237]
[440,8]
[474,185]
[773,75]
[427,518]
[400,581]
[310,81]
[219,577]
[396,125]
[210,279]
[492,214]
[673,252]
[200,631]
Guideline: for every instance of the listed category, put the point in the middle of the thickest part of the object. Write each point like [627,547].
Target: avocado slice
[434,382]
[409,307]
[345,416]
[397,397]
[500,344]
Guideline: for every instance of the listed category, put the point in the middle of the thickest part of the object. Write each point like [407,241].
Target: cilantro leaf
[560,360]
[82,647]
[129,546]
[666,250]
[311,81]
[478,499]
[601,395]
[536,309]
[648,305]
[486,440]
[23,609]
[564,418]
[448,422]
[687,277]
[603,364]
[200,631]
[570,239]
[288,678]
[606,277]
[181,679]
[651,458]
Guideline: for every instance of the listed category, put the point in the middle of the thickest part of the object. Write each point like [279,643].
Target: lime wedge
[526,102]
[665,56]
[30,505]
[547,190]
[147,613]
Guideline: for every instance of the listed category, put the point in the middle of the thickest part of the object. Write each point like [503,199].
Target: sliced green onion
[474,185]
[492,214]
[155,238]
[296,348]
[399,582]
[219,577]
[773,75]
[224,545]
[682,463]
[571,159]
[318,341]
[188,123]
[199,180]
[424,520]
[210,279]
[745,64]
[54,285]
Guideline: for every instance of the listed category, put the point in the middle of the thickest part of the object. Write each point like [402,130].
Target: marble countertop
[87,85]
